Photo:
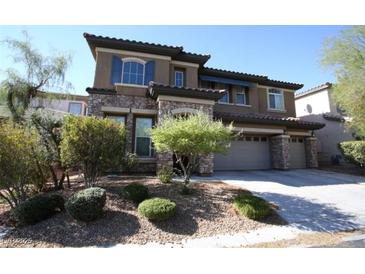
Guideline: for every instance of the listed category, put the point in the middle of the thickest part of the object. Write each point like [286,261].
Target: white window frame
[276,95]
[182,77]
[135,138]
[245,95]
[78,103]
[137,60]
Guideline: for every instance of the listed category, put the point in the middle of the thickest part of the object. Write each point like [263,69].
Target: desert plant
[251,206]
[129,161]
[49,129]
[135,192]
[353,151]
[87,205]
[95,145]
[165,175]
[157,209]
[23,164]
[38,72]
[37,208]
[189,138]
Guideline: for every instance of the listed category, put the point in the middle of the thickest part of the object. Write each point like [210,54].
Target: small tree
[189,138]
[49,129]
[92,144]
[345,54]
[39,72]
[22,163]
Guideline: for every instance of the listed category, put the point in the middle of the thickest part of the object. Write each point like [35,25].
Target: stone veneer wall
[279,150]
[311,155]
[96,101]
[165,108]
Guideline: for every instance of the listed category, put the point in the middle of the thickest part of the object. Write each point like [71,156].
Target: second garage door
[296,153]
[253,152]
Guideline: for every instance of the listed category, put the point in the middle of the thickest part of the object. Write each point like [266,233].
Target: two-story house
[317,105]
[138,83]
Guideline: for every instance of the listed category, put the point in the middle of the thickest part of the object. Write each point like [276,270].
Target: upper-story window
[133,71]
[241,98]
[75,108]
[275,98]
[225,98]
[179,78]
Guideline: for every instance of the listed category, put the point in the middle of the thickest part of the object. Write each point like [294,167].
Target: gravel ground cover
[207,211]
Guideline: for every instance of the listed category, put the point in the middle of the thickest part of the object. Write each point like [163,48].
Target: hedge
[353,151]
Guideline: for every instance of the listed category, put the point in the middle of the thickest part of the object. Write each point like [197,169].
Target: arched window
[133,71]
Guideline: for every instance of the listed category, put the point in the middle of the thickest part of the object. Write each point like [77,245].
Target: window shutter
[116,75]
[149,73]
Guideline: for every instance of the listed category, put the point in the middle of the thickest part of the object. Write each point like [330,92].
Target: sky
[286,53]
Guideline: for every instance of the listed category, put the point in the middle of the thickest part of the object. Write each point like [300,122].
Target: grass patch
[251,206]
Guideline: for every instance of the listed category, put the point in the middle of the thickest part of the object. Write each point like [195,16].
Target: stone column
[311,155]
[164,160]
[279,149]
[206,164]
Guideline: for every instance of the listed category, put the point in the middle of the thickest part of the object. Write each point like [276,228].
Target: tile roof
[155,89]
[176,52]
[88,35]
[313,90]
[261,79]
[267,119]
[92,90]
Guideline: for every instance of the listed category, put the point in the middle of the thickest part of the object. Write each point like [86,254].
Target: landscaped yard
[207,211]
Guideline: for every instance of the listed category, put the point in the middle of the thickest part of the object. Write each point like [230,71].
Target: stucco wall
[315,103]
[289,103]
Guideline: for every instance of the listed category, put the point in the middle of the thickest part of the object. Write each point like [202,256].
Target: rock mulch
[206,212]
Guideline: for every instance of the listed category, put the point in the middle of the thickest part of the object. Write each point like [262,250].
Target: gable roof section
[177,53]
[313,90]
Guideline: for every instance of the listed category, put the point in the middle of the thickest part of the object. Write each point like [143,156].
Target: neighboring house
[317,105]
[139,83]
[59,104]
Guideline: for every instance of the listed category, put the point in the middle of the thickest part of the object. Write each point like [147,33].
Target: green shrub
[95,145]
[353,151]
[251,206]
[165,175]
[87,205]
[37,209]
[135,192]
[157,209]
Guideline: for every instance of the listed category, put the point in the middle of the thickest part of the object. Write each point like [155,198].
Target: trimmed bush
[37,209]
[157,209]
[251,206]
[87,205]
[353,151]
[165,175]
[135,192]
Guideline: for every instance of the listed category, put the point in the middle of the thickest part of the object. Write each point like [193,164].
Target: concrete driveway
[310,200]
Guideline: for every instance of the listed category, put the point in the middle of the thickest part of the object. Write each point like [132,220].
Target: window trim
[245,95]
[106,114]
[74,102]
[183,77]
[268,100]
[134,140]
[136,60]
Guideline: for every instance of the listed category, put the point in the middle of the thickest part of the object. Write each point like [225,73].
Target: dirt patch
[206,212]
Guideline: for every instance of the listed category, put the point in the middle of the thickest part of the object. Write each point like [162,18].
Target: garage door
[296,153]
[250,153]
